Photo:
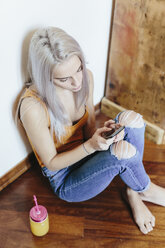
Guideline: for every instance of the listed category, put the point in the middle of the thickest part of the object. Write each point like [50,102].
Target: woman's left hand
[111,124]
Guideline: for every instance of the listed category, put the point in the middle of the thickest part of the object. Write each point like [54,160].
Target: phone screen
[112,133]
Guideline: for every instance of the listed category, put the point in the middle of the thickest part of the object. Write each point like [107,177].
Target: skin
[67,78]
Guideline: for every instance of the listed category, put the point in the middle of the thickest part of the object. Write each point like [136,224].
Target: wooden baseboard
[97,107]
[153,132]
[15,172]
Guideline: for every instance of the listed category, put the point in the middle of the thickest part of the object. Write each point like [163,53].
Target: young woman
[57,112]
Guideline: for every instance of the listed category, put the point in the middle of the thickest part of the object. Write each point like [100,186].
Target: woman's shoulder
[28,103]
[32,111]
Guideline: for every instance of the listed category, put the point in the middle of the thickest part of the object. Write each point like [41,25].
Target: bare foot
[142,215]
[154,194]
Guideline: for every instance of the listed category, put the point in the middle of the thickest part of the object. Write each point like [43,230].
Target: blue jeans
[91,175]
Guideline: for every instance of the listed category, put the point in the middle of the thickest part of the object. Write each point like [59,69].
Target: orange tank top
[74,133]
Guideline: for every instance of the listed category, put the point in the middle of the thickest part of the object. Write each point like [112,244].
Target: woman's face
[68,74]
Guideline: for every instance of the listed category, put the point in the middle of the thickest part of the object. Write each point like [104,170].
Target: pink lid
[40,215]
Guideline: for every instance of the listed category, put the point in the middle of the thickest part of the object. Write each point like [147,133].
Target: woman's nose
[75,81]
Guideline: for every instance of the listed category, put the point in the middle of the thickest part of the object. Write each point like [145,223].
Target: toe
[153,221]
[143,229]
[149,226]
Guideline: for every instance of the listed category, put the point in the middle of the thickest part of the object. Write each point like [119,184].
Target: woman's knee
[131,119]
[123,150]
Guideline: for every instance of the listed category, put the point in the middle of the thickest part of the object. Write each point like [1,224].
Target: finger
[110,141]
[119,136]
[103,129]
[113,125]
[118,125]
[110,121]
[107,123]
[102,140]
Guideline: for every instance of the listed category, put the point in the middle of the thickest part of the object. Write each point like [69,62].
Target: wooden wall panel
[136,66]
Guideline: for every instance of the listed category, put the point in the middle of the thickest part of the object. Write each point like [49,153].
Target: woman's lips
[77,89]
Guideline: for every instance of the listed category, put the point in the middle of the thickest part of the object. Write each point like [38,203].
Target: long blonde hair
[48,47]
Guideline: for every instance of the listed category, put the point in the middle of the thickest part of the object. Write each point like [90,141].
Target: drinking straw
[35,200]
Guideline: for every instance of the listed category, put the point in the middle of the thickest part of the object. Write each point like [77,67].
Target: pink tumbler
[39,221]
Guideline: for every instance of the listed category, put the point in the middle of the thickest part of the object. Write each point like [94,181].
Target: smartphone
[112,133]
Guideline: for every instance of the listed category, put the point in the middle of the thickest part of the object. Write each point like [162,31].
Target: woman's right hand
[97,142]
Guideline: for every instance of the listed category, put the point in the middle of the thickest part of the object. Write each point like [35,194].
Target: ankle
[130,192]
[148,192]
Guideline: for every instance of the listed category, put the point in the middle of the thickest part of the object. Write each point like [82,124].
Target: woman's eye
[80,68]
[63,80]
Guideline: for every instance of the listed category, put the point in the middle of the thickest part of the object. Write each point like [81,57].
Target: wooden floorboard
[104,221]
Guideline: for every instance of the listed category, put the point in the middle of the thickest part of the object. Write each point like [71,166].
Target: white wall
[88,21]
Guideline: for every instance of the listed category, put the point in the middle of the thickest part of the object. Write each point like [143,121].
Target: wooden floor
[104,221]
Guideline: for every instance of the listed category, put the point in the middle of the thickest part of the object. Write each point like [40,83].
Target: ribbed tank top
[74,133]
